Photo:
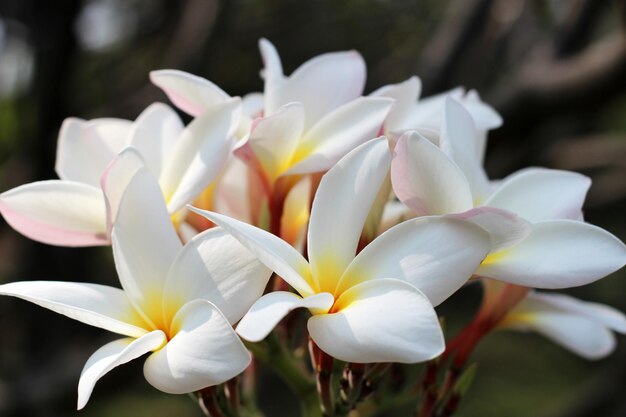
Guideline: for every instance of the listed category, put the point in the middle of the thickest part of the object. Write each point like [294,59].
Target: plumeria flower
[322,84]
[532,215]
[73,212]
[177,302]
[375,306]
[583,327]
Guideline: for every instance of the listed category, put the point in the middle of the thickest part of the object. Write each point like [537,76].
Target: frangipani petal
[272,251]
[270,309]
[426,179]
[296,213]
[437,255]
[272,73]
[199,154]
[485,116]
[215,267]
[459,139]
[116,178]
[334,234]
[97,305]
[321,84]
[204,351]
[578,326]
[274,139]
[338,133]
[384,320]
[114,354]
[505,228]
[57,212]
[557,254]
[85,148]
[192,94]
[154,134]
[145,244]
[538,194]
[405,95]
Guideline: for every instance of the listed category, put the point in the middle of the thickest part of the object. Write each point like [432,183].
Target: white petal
[405,95]
[233,193]
[577,332]
[272,251]
[539,194]
[154,134]
[111,355]
[459,137]
[192,94]
[252,104]
[275,138]
[205,351]
[97,305]
[426,179]
[321,84]
[383,320]
[435,254]
[340,207]
[85,148]
[338,133]
[57,212]
[199,155]
[270,309]
[505,228]
[214,266]
[145,244]
[428,113]
[558,254]
[485,116]
[272,73]
[296,213]
[116,178]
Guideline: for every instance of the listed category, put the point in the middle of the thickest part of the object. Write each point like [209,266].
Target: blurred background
[554,69]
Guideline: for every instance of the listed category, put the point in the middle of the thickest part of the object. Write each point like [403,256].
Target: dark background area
[556,70]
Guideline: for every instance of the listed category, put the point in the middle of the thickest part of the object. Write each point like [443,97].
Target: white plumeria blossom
[583,327]
[72,211]
[376,306]
[532,215]
[309,120]
[177,302]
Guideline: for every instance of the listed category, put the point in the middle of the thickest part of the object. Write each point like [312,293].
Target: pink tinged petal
[272,251]
[505,228]
[97,305]
[574,329]
[270,309]
[192,94]
[145,244]
[56,212]
[338,133]
[214,266]
[334,230]
[459,139]
[204,351]
[405,95]
[558,254]
[435,254]
[85,148]
[539,194]
[426,179]
[154,134]
[200,153]
[275,138]
[321,84]
[114,354]
[116,178]
[384,320]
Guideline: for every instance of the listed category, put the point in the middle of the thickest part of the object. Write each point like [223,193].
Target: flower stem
[207,399]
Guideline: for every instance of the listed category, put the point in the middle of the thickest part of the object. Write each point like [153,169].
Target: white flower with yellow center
[177,302]
[374,306]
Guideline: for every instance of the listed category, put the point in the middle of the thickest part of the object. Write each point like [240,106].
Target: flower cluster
[366,212]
